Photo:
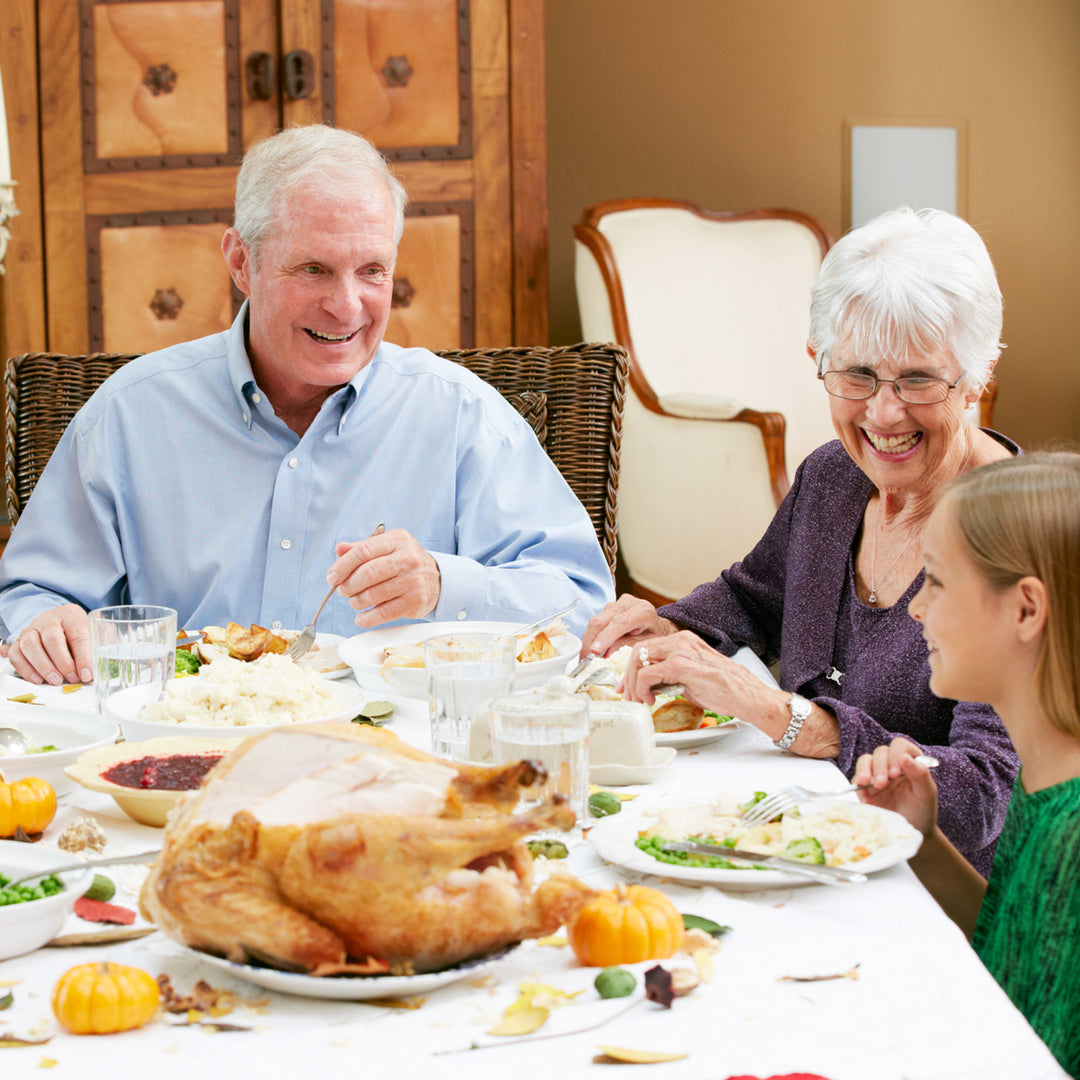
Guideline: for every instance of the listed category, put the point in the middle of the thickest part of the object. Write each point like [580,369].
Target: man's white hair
[331,158]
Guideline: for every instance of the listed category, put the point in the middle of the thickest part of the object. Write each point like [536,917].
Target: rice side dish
[236,693]
[847,832]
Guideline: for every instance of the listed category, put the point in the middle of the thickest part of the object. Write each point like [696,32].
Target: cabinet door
[141,114]
[147,106]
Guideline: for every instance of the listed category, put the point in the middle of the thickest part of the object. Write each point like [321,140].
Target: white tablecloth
[922,1007]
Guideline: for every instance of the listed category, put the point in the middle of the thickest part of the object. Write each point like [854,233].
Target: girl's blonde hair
[1021,518]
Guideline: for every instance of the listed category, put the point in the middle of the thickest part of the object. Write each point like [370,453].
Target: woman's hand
[893,780]
[711,679]
[624,622]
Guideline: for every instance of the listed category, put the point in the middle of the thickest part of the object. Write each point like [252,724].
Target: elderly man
[235,476]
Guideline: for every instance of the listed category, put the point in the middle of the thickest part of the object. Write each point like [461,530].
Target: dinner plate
[326,661]
[364,654]
[683,740]
[613,837]
[353,987]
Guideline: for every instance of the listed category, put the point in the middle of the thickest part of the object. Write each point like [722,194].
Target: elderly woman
[905,320]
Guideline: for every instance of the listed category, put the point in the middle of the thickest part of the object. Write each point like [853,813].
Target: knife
[829,875]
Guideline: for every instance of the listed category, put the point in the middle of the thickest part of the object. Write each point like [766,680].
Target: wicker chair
[572,397]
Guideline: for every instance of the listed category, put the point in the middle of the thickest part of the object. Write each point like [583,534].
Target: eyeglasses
[914,389]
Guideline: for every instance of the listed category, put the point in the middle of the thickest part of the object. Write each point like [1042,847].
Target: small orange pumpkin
[29,804]
[101,998]
[625,926]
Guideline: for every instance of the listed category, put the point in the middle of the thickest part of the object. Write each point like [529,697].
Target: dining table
[843,982]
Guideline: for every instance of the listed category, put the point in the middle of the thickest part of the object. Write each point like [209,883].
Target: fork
[302,645]
[784,800]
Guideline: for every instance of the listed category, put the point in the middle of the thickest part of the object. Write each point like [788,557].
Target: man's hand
[390,575]
[54,648]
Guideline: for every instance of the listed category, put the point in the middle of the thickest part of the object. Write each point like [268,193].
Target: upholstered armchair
[713,309]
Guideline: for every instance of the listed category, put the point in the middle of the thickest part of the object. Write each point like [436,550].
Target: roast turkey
[319,847]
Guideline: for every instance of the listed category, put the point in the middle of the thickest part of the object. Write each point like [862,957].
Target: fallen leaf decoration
[71,688]
[23,699]
[531,1009]
[521,1022]
[554,941]
[47,1063]
[851,973]
[658,986]
[204,999]
[708,926]
[396,1003]
[620,1055]
[10,1040]
[102,937]
[7,1001]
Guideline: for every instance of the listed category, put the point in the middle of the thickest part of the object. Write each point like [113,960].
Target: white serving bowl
[26,927]
[73,732]
[125,706]
[364,654]
[146,806]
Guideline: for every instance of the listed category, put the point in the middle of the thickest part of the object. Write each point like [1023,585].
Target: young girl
[1000,612]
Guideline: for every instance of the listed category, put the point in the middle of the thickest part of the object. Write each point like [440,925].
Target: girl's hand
[893,780]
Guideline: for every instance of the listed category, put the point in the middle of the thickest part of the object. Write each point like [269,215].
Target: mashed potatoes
[270,690]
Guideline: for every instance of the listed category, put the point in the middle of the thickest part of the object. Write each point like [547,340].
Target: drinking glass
[132,645]
[551,728]
[464,673]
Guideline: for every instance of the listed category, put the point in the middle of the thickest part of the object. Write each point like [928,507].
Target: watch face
[800,707]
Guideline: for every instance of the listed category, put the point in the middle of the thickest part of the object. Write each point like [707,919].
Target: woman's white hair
[331,158]
[910,281]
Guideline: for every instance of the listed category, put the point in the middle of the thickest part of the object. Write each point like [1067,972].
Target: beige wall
[740,103]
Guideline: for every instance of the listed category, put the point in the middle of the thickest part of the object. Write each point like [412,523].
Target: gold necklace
[872,598]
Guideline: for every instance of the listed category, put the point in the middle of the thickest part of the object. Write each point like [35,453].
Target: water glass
[464,673]
[132,645]
[551,728]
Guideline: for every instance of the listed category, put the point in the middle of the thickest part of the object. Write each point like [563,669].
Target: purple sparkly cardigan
[793,599]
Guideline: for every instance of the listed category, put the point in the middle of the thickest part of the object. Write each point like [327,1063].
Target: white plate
[125,705]
[618,775]
[364,654]
[44,725]
[613,837]
[683,740]
[353,987]
[326,661]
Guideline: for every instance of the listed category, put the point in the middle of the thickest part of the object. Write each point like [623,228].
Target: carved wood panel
[147,105]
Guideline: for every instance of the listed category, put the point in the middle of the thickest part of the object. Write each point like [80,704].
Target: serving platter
[353,987]
[614,840]
[364,653]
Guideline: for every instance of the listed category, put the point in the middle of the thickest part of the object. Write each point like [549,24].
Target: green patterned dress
[1028,933]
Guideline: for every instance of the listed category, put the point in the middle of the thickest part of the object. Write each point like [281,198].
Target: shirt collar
[243,378]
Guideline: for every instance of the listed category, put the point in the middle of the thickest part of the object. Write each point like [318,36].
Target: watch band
[800,710]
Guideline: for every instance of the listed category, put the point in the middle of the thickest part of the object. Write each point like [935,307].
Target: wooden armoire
[127,120]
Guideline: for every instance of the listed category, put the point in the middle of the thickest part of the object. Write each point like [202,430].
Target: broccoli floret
[745,807]
[807,850]
[187,663]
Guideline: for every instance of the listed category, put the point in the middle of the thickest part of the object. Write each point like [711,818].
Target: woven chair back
[572,397]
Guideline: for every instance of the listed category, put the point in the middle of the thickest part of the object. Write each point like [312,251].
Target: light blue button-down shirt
[176,484]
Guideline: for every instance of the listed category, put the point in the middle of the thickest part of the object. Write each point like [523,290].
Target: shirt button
[276,624]
[256,398]
[286,544]
[247,418]
[462,614]
[293,462]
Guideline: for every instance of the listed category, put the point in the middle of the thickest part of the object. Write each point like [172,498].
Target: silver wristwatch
[800,710]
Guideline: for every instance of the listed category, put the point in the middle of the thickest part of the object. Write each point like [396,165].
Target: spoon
[90,864]
[13,741]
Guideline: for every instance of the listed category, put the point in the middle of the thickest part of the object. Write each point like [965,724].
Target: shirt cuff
[461,585]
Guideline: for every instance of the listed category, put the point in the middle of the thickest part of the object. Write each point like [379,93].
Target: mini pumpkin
[625,926]
[101,998]
[28,804]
